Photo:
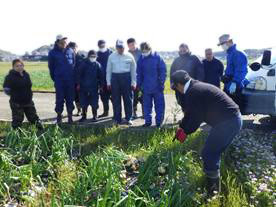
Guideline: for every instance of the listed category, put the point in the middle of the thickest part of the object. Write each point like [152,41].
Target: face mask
[145,54]
[92,59]
[225,47]
[103,49]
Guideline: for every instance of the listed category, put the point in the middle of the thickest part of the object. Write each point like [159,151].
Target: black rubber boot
[84,115]
[134,115]
[78,109]
[59,118]
[213,186]
[104,114]
[94,113]
[39,125]
[70,118]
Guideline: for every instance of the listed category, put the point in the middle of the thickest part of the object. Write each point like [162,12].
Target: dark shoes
[95,114]
[159,126]
[147,125]
[84,115]
[94,119]
[78,112]
[59,118]
[134,116]
[213,186]
[70,118]
[83,119]
[127,122]
[39,125]
[105,114]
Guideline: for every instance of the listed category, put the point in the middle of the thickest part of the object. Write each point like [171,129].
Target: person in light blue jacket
[151,77]
[121,81]
[236,70]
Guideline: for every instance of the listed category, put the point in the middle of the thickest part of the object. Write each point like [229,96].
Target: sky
[29,24]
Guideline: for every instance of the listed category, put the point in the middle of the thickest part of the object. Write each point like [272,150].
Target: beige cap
[224,38]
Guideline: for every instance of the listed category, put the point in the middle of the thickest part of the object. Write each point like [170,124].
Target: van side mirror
[266,58]
[255,66]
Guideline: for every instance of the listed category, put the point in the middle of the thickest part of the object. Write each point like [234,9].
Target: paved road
[45,104]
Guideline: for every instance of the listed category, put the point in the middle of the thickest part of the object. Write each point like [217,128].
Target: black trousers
[137,99]
[239,99]
[18,111]
[121,88]
[105,97]
[77,97]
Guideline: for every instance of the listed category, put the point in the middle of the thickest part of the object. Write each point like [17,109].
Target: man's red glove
[78,87]
[108,87]
[180,135]
[133,88]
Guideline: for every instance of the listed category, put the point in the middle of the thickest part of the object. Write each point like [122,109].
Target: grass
[38,71]
[40,76]
[108,167]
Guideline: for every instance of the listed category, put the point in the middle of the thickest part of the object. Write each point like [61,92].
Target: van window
[273,56]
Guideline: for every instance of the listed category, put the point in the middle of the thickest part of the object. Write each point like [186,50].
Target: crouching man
[207,103]
[18,86]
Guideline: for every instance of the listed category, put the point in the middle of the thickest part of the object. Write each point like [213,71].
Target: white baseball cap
[120,44]
[60,37]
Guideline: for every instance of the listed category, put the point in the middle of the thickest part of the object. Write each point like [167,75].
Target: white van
[259,94]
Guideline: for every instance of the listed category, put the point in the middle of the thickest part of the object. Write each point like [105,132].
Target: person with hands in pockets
[207,103]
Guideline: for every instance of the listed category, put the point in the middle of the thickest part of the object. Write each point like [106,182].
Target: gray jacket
[191,64]
[136,54]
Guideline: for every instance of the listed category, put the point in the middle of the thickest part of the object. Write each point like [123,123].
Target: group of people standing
[142,73]
[134,76]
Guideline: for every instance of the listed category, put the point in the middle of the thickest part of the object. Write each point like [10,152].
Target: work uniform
[236,71]
[19,87]
[79,59]
[151,76]
[90,79]
[137,96]
[61,66]
[105,94]
[121,75]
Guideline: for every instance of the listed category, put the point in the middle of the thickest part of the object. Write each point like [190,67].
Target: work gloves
[232,88]
[180,135]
